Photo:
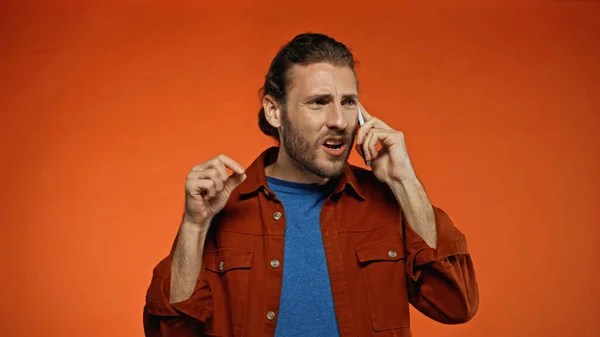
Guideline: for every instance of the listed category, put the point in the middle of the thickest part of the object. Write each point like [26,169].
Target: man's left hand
[391,163]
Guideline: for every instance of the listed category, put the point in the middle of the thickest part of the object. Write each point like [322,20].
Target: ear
[272,111]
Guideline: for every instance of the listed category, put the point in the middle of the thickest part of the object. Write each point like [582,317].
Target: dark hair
[304,49]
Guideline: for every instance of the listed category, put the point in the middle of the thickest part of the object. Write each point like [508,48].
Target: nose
[336,118]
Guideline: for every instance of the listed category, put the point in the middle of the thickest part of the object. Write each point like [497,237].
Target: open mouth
[334,146]
[334,143]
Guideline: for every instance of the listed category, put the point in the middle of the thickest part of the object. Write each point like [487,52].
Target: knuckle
[210,173]
[190,187]
[220,163]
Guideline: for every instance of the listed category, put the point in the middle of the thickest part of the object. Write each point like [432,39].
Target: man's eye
[350,102]
[320,101]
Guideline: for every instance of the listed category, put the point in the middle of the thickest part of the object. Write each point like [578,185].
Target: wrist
[193,224]
[403,182]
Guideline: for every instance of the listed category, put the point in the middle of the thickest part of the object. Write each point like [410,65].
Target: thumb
[359,149]
[235,180]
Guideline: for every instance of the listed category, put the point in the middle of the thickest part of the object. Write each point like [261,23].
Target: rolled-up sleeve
[182,319]
[441,281]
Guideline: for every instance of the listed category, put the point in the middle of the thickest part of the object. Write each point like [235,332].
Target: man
[301,243]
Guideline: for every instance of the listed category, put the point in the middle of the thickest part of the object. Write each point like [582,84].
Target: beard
[306,154]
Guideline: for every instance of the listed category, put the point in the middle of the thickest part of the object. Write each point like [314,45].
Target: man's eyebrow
[317,97]
[329,97]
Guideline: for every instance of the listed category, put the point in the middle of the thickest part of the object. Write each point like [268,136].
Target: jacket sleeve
[441,282]
[183,319]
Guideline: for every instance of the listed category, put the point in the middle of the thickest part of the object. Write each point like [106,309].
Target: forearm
[186,260]
[417,209]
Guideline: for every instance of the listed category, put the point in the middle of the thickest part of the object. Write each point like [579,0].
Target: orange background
[105,107]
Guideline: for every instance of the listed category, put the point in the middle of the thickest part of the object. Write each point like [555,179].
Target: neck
[286,168]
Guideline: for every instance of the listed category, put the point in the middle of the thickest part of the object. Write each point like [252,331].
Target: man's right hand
[208,187]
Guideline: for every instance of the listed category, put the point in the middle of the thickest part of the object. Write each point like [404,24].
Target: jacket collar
[257,181]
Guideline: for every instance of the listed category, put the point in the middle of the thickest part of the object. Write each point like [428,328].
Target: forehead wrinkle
[320,81]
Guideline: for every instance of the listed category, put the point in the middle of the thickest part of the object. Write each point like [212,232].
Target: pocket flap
[391,249]
[225,259]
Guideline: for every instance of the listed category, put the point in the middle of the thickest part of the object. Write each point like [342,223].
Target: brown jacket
[377,265]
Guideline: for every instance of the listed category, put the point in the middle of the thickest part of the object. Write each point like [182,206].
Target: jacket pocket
[382,265]
[232,266]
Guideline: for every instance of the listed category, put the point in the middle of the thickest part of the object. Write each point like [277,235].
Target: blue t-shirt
[306,307]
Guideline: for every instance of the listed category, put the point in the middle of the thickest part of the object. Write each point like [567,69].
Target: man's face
[320,117]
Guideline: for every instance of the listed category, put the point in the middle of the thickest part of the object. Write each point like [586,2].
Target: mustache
[347,136]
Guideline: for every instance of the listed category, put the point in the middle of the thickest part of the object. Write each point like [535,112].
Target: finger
[202,185]
[375,137]
[375,123]
[203,166]
[366,147]
[234,181]
[362,132]
[218,166]
[371,142]
[372,121]
[210,173]
[204,188]
[213,174]
[216,175]
[209,193]
[360,150]
[378,123]
[231,164]
[220,160]
[362,154]
[222,170]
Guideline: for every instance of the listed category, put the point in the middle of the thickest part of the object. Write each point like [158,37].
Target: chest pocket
[382,265]
[232,267]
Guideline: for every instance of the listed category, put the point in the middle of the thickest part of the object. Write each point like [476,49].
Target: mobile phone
[361,121]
